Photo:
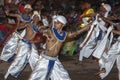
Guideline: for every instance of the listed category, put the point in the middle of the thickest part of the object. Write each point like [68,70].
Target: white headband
[61,19]
[37,14]
[28,6]
[107,7]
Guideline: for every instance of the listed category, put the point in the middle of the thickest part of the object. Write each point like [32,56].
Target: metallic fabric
[40,72]
[26,54]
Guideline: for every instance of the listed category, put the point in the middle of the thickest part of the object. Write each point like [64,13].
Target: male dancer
[96,34]
[27,52]
[112,55]
[10,47]
[48,66]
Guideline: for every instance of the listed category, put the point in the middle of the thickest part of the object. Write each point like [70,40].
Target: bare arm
[107,20]
[22,27]
[11,14]
[74,34]
[116,32]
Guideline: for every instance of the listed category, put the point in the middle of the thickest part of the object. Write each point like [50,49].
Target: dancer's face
[36,18]
[102,9]
[59,25]
[27,10]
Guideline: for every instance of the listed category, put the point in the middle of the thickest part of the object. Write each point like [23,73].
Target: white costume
[97,33]
[112,57]
[100,52]
[99,36]
[27,53]
[49,68]
[106,42]
[10,47]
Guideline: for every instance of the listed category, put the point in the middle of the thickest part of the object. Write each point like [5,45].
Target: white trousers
[43,71]
[26,54]
[113,56]
[10,48]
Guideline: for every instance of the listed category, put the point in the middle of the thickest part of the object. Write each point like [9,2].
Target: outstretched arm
[107,20]
[11,14]
[116,32]
[22,27]
[74,34]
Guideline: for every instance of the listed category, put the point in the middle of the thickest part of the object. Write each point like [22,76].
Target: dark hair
[41,23]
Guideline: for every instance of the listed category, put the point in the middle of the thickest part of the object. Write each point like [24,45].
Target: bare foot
[77,62]
[101,71]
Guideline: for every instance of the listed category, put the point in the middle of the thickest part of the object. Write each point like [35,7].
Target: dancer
[27,52]
[112,56]
[49,66]
[95,35]
[10,47]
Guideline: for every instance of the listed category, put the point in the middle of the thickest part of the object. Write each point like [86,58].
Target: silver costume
[26,54]
[97,32]
[113,55]
[105,42]
[49,68]
[10,48]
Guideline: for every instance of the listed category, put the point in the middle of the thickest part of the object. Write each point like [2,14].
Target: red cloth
[21,8]
[2,27]
[39,38]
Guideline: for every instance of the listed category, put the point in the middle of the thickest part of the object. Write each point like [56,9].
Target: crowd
[34,32]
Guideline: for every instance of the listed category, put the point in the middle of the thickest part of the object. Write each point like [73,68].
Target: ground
[86,71]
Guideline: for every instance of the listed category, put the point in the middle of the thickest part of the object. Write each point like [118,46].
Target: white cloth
[87,48]
[10,47]
[34,57]
[22,34]
[41,71]
[109,65]
[89,33]
[108,9]
[26,54]
[115,49]
[92,44]
[100,49]
[113,55]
